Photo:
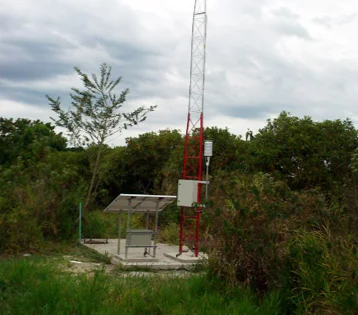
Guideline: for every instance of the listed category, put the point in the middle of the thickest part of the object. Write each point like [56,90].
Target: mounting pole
[208,153]
[80,224]
[193,147]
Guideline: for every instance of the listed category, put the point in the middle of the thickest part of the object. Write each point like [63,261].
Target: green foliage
[96,226]
[230,153]
[40,204]
[36,287]
[169,234]
[30,140]
[281,220]
[267,237]
[96,116]
[305,153]
[323,273]
[229,150]
[250,228]
[146,155]
[114,174]
[19,231]
[172,171]
[170,214]
[105,225]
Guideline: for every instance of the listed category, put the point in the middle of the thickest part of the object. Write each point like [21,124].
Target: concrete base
[165,256]
[187,257]
[136,257]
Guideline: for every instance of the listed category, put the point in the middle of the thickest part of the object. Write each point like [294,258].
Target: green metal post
[80,225]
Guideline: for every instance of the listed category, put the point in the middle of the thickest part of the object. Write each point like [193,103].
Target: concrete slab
[188,257]
[165,256]
[136,257]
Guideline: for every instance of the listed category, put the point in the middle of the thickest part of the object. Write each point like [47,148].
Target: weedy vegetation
[280,227]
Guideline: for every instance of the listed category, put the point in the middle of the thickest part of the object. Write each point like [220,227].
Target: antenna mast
[193,147]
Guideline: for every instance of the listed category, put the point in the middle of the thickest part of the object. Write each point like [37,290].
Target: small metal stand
[143,238]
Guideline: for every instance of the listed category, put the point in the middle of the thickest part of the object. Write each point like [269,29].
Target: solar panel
[139,203]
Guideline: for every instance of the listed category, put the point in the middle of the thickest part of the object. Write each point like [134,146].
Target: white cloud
[263,57]
[10,109]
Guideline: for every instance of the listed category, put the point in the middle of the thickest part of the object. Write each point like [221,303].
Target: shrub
[270,238]
[251,228]
[19,231]
[170,234]
[322,273]
[41,204]
[98,224]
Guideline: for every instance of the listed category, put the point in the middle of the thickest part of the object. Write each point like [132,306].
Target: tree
[27,139]
[96,115]
[305,153]
[146,156]
[229,150]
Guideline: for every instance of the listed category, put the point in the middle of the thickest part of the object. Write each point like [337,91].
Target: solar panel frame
[139,203]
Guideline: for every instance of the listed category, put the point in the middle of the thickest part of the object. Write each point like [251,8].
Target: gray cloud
[291,28]
[28,57]
[254,9]
[330,21]
[28,96]
[252,110]
[8,22]
[286,13]
[250,74]
[31,96]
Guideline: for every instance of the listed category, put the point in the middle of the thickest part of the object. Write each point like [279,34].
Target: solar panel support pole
[147,249]
[155,230]
[119,233]
[128,223]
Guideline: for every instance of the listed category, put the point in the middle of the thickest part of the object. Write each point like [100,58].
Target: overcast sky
[263,57]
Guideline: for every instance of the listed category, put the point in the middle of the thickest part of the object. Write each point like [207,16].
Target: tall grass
[35,287]
[98,224]
[169,234]
[323,273]
[302,244]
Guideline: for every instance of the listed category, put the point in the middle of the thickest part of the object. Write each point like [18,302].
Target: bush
[19,231]
[270,238]
[41,204]
[322,273]
[251,227]
[98,224]
[169,234]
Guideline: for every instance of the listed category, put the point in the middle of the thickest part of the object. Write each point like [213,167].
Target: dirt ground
[81,265]
[77,265]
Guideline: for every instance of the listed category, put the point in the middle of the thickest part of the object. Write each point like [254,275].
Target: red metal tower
[193,147]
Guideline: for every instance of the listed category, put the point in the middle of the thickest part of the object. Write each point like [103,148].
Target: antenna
[193,147]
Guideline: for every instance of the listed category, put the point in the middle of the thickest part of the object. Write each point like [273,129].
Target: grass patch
[169,234]
[34,286]
[88,254]
[98,224]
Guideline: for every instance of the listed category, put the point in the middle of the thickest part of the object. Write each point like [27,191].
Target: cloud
[24,95]
[330,21]
[291,28]
[285,13]
[263,57]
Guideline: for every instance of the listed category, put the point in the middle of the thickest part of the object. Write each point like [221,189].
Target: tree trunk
[100,175]
[95,171]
